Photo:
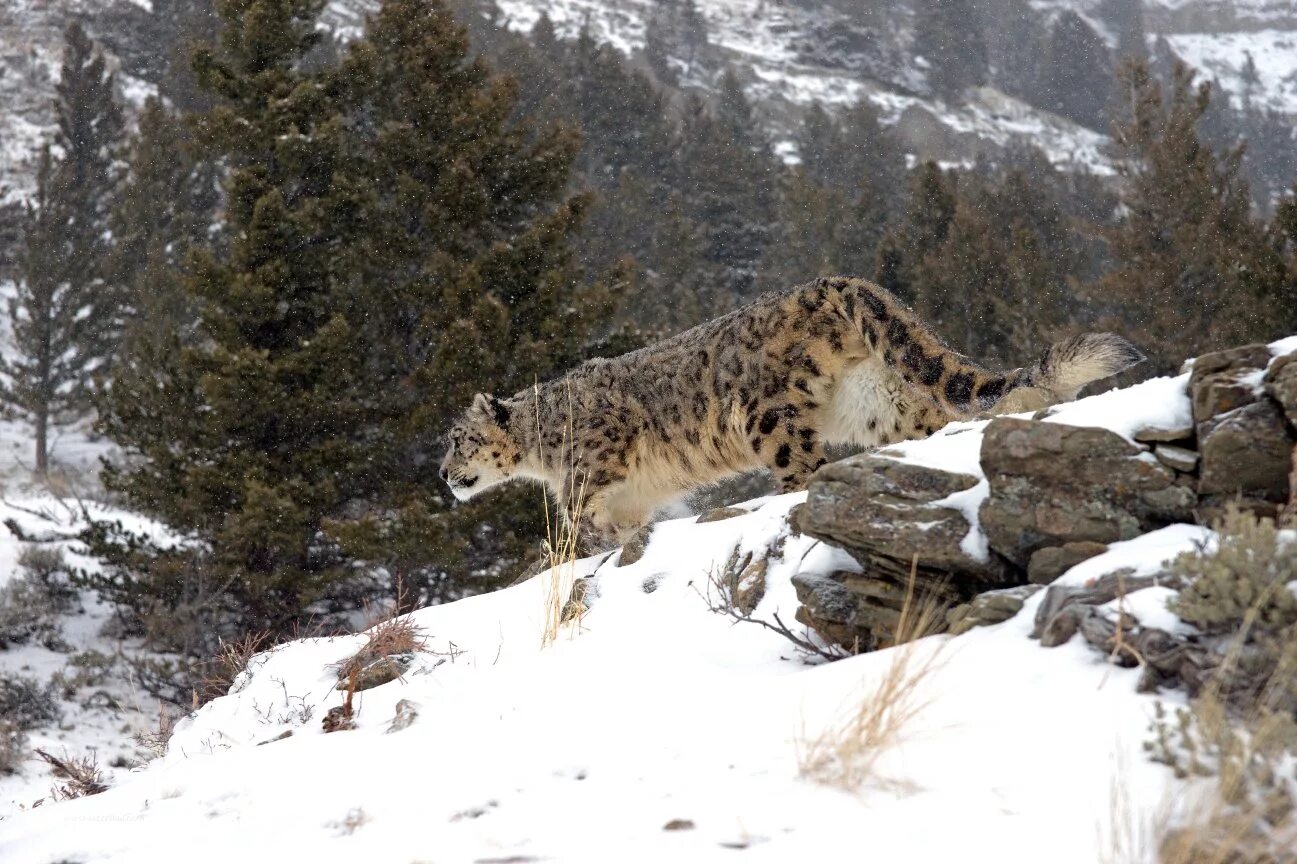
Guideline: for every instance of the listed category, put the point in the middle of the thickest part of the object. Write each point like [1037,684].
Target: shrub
[26,703]
[84,669]
[1246,574]
[1240,727]
[31,603]
[13,747]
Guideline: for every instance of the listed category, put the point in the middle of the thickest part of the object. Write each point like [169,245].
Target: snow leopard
[773,384]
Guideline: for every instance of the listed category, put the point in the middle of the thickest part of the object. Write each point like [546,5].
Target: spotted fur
[835,361]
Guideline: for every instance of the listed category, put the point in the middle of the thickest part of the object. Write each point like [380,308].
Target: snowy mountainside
[652,726]
[787,55]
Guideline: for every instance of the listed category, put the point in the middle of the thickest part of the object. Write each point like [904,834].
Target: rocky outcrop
[880,508]
[1053,484]
[862,611]
[1049,563]
[1054,496]
[1240,410]
[993,607]
[901,523]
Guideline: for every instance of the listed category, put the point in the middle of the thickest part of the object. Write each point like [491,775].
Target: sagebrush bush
[45,565]
[1240,727]
[27,614]
[26,702]
[1247,574]
[13,747]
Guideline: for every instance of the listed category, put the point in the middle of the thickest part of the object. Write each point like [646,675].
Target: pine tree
[852,151]
[1251,79]
[1016,41]
[1193,269]
[726,193]
[1126,19]
[675,32]
[89,134]
[65,316]
[164,207]
[396,243]
[948,36]
[46,378]
[1077,76]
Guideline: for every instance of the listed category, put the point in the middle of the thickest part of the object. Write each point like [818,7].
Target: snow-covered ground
[1223,56]
[654,728]
[100,708]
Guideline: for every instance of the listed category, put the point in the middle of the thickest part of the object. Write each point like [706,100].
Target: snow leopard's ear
[491,406]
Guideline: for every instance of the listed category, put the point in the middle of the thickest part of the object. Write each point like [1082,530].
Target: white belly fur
[865,391]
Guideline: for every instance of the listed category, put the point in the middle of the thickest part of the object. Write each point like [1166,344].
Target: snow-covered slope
[654,728]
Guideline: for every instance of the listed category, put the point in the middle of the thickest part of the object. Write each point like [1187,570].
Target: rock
[679,825]
[874,506]
[1059,615]
[1053,484]
[1060,628]
[537,566]
[827,607]
[635,546]
[1281,384]
[1246,451]
[406,713]
[1154,434]
[990,607]
[1290,513]
[1221,393]
[376,672]
[1179,458]
[583,594]
[1244,357]
[718,514]
[861,612]
[1049,563]
[750,586]
[339,718]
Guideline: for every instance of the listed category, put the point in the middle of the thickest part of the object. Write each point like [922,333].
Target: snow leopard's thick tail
[959,386]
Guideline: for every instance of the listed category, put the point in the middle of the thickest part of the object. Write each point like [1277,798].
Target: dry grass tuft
[563,544]
[390,638]
[154,741]
[231,659]
[81,776]
[846,754]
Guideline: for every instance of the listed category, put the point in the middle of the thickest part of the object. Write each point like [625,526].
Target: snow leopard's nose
[445,475]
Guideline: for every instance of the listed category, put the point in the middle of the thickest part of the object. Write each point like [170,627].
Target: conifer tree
[1077,75]
[396,243]
[164,207]
[675,31]
[46,378]
[948,35]
[1193,270]
[64,315]
[1126,19]
[726,193]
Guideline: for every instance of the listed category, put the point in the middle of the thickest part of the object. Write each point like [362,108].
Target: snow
[653,708]
[1142,556]
[101,717]
[1223,56]
[1158,402]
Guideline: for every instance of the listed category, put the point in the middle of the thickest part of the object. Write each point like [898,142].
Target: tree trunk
[42,448]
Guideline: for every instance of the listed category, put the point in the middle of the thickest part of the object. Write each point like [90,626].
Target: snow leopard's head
[480,452]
